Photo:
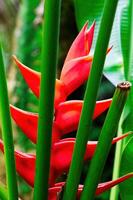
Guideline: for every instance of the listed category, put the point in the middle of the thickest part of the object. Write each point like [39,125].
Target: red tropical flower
[66,119]
[102,187]
[61,156]
[75,72]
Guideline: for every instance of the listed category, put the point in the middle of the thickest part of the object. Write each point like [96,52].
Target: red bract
[74,73]
[61,156]
[102,187]
[75,70]
[83,43]
[28,123]
[68,113]
[67,117]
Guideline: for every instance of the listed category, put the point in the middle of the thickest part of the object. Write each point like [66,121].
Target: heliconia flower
[61,155]
[28,122]
[75,70]
[102,187]
[74,73]
[24,165]
[82,42]
[68,113]
[32,78]
[67,117]
[63,152]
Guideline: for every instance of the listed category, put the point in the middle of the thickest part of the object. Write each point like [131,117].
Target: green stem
[46,108]
[101,153]
[3,193]
[7,135]
[115,191]
[89,100]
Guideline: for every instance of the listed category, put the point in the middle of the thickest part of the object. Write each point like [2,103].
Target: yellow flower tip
[89,58]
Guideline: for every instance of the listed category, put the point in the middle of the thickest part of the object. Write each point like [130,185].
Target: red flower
[67,117]
[102,187]
[74,73]
[75,70]
[61,156]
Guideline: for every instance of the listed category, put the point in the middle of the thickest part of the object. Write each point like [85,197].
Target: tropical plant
[59,116]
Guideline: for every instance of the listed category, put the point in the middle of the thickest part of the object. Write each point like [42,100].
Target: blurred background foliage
[21,28]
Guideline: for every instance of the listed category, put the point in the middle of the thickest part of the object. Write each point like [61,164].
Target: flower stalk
[114,193]
[7,135]
[90,96]
[105,139]
[46,103]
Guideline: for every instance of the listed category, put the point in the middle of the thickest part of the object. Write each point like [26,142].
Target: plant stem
[90,100]
[46,108]
[7,135]
[102,150]
[3,193]
[114,191]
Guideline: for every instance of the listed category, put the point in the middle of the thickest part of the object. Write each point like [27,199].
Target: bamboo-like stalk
[109,128]
[3,193]
[46,108]
[120,146]
[7,135]
[90,99]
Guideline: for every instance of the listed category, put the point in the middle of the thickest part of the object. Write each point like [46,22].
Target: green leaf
[114,73]
[92,10]
[88,10]
[127,124]
[127,51]
[126,188]
[125,41]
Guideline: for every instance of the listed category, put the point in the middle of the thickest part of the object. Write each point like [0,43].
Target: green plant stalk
[7,135]
[90,100]
[115,190]
[120,146]
[46,104]
[102,150]
[3,193]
